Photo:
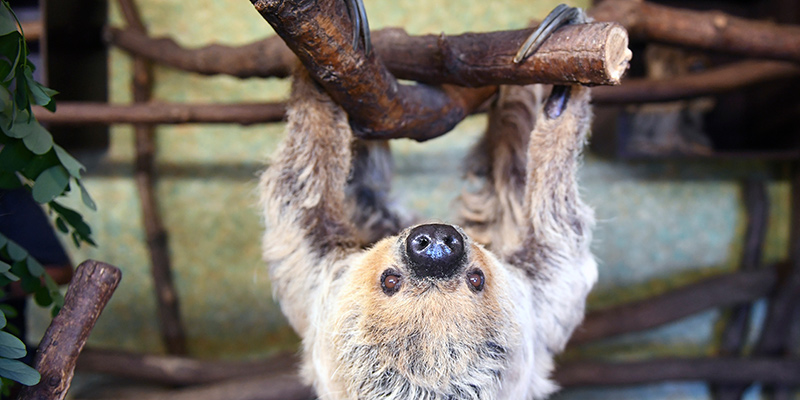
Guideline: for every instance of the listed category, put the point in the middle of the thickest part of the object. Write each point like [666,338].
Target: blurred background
[667,217]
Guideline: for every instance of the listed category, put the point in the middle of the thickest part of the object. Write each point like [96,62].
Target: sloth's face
[426,310]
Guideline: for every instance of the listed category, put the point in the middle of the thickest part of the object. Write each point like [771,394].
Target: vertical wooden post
[734,335]
[157,239]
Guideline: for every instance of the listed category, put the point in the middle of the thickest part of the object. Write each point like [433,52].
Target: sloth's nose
[435,250]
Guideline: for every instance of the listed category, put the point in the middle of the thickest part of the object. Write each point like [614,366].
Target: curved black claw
[556,103]
[358,14]
[560,16]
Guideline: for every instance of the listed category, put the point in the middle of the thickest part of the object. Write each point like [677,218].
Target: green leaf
[3,320]
[50,284]
[39,141]
[35,268]
[42,297]
[21,96]
[42,95]
[18,371]
[12,44]
[9,44]
[87,200]
[82,231]
[8,23]
[61,225]
[4,267]
[15,156]
[15,251]
[30,284]
[8,311]
[50,184]
[10,346]
[9,180]
[70,163]
[10,276]
[39,164]
[5,95]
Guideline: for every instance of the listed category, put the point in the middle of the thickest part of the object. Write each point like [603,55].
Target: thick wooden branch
[714,81]
[319,33]
[710,30]
[717,370]
[725,290]
[85,113]
[179,370]
[91,288]
[471,60]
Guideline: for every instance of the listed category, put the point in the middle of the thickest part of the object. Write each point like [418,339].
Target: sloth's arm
[555,250]
[303,201]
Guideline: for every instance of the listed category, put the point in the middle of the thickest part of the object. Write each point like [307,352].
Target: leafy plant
[30,159]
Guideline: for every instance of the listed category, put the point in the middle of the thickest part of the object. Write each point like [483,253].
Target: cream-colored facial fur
[525,235]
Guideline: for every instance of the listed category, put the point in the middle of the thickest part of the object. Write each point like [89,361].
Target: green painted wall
[657,221]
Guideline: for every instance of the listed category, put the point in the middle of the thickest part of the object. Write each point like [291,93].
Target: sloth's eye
[476,280]
[390,281]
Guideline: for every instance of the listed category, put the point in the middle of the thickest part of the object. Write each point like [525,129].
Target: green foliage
[30,159]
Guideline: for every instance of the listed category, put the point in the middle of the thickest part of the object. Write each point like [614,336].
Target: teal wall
[658,222]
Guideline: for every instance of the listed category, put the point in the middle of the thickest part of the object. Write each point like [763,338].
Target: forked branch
[319,33]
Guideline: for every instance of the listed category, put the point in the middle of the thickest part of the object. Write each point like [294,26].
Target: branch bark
[378,106]
[725,290]
[91,288]
[178,370]
[265,58]
[470,60]
[717,370]
[710,30]
[84,113]
[718,80]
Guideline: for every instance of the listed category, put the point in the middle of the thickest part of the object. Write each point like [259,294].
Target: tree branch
[709,30]
[266,58]
[169,319]
[91,288]
[318,32]
[717,370]
[718,80]
[179,370]
[725,290]
[84,113]
[470,60]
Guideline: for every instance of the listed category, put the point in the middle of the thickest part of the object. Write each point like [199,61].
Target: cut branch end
[618,55]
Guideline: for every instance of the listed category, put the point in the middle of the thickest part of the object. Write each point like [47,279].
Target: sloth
[389,309]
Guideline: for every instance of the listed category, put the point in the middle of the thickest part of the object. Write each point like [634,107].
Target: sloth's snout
[435,250]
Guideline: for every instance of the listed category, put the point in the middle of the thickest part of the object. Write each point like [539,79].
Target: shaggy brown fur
[526,236]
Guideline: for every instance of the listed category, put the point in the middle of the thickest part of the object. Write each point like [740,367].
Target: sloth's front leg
[555,251]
